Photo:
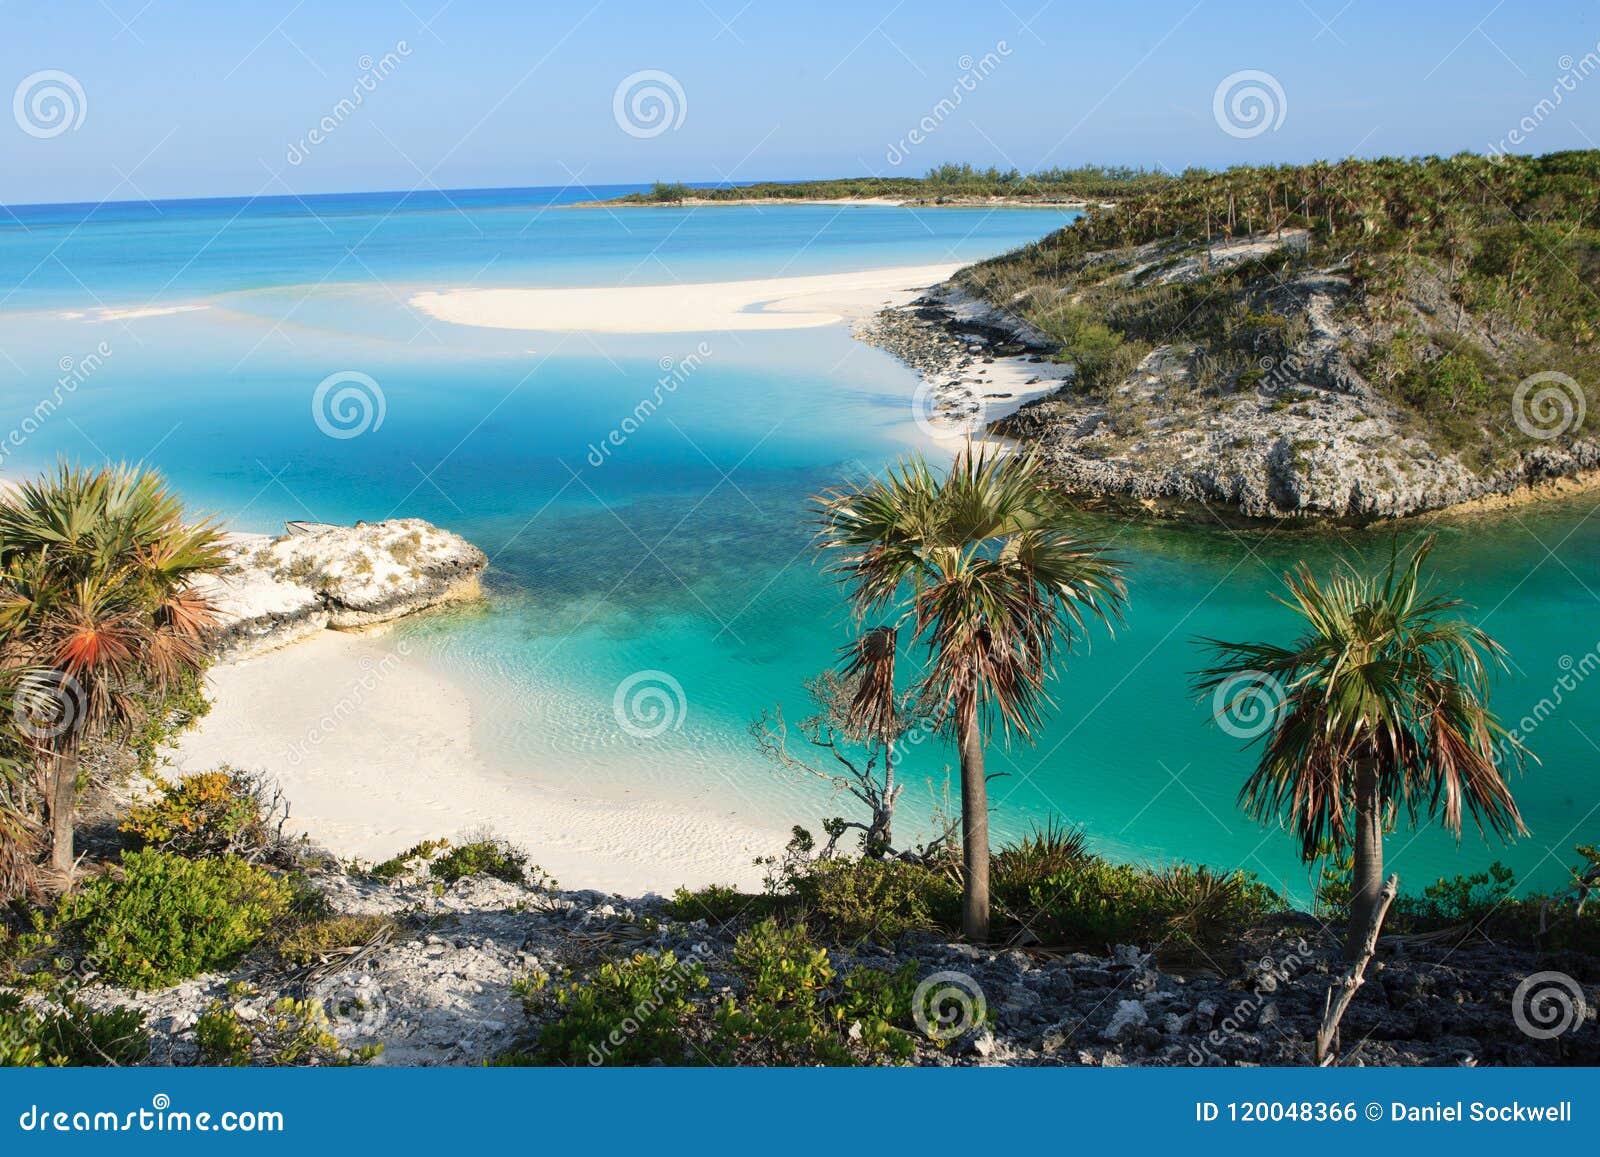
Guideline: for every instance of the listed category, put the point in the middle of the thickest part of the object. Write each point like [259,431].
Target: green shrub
[291,1032]
[166,918]
[794,1011]
[215,813]
[69,1033]
[1040,854]
[484,857]
[879,900]
[633,1012]
[313,941]
[413,857]
[717,903]
[1187,913]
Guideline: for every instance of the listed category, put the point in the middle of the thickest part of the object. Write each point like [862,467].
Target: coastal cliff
[1311,344]
[278,590]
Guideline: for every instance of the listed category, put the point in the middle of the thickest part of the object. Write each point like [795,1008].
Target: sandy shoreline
[761,304]
[375,752]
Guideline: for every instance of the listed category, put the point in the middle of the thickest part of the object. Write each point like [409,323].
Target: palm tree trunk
[974,827]
[63,795]
[1366,874]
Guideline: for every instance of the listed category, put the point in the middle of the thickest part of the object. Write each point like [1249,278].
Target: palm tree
[96,612]
[985,568]
[1383,708]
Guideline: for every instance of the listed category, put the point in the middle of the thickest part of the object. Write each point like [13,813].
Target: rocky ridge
[1308,438]
[277,590]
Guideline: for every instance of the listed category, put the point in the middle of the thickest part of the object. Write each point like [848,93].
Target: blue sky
[202,99]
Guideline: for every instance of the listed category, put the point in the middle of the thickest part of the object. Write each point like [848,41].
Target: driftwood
[1343,990]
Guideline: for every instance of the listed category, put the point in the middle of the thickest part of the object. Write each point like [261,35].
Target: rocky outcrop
[276,591]
[1302,436]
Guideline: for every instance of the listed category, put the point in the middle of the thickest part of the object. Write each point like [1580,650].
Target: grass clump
[310,942]
[69,1033]
[164,918]
[407,861]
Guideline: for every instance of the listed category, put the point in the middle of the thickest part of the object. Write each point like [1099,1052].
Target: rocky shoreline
[277,590]
[442,987]
[1311,441]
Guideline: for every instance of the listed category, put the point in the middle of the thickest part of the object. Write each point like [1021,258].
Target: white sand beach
[770,303]
[375,753]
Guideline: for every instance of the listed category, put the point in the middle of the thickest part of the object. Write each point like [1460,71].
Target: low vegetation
[948,182]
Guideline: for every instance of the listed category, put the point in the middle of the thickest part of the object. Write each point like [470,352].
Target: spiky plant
[983,567]
[1383,710]
[96,610]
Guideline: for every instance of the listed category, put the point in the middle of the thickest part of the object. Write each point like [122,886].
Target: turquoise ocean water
[683,550]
